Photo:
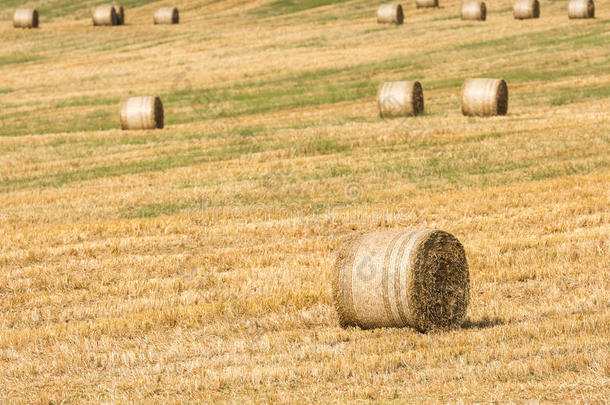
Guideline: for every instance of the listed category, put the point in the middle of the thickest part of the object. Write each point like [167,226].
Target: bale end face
[395,99]
[418,279]
[120,15]
[484,97]
[142,113]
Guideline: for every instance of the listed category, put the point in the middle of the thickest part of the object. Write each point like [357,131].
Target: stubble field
[193,264]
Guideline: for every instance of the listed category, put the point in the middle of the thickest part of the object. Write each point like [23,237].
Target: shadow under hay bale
[416,278]
[104,15]
[120,15]
[396,99]
[142,113]
[167,15]
[581,9]
[25,18]
[390,14]
[484,97]
[524,9]
[474,10]
[426,3]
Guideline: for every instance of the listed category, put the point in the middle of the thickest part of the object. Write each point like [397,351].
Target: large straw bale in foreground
[474,10]
[396,99]
[484,97]
[104,15]
[402,278]
[142,113]
[390,14]
[166,15]
[25,18]
[581,9]
[524,9]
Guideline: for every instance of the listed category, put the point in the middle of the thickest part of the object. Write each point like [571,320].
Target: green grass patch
[18,59]
[568,95]
[280,7]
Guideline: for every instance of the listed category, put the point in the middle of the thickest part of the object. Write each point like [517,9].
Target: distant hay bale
[402,278]
[524,9]
[426,3]
[104,15]
[142,113]
[25,18]
[390,14]
[581,9]
[484,97]
[474,10]
[120,15]
[167,15]
[396,99]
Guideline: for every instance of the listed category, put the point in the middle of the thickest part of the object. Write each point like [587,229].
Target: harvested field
[194,264]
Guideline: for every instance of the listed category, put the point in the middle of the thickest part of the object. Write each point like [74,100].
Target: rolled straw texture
[25,18]
[167,15]
[104,15]
[390,14]
[413,278]
[524,9]
[142,113]
[484,97]
[581,9]
[396,99]
[474,10]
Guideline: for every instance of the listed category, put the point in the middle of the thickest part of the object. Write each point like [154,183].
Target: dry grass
[193,264]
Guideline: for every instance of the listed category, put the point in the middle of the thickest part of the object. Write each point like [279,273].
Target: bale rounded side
[426,3]
[474,10]
[484,97]
[390,14]
[524,9]
[104,15]
[581,9]
[167,15]
[416,278]
[395,99]
[120,15]
[25,18]
[142,113]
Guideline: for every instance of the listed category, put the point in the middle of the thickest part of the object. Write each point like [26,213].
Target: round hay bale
[484,97]
[414,278]
[396,99]
[390,14]
[581,9]
[474,10]
[104,15]
[167,15]
[426,3]
[120,15]
[142,113]
[25,18]
[524,9]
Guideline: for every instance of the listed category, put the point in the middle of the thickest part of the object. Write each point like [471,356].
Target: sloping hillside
[193,264]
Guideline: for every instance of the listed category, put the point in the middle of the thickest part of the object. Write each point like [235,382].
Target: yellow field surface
[193,264]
